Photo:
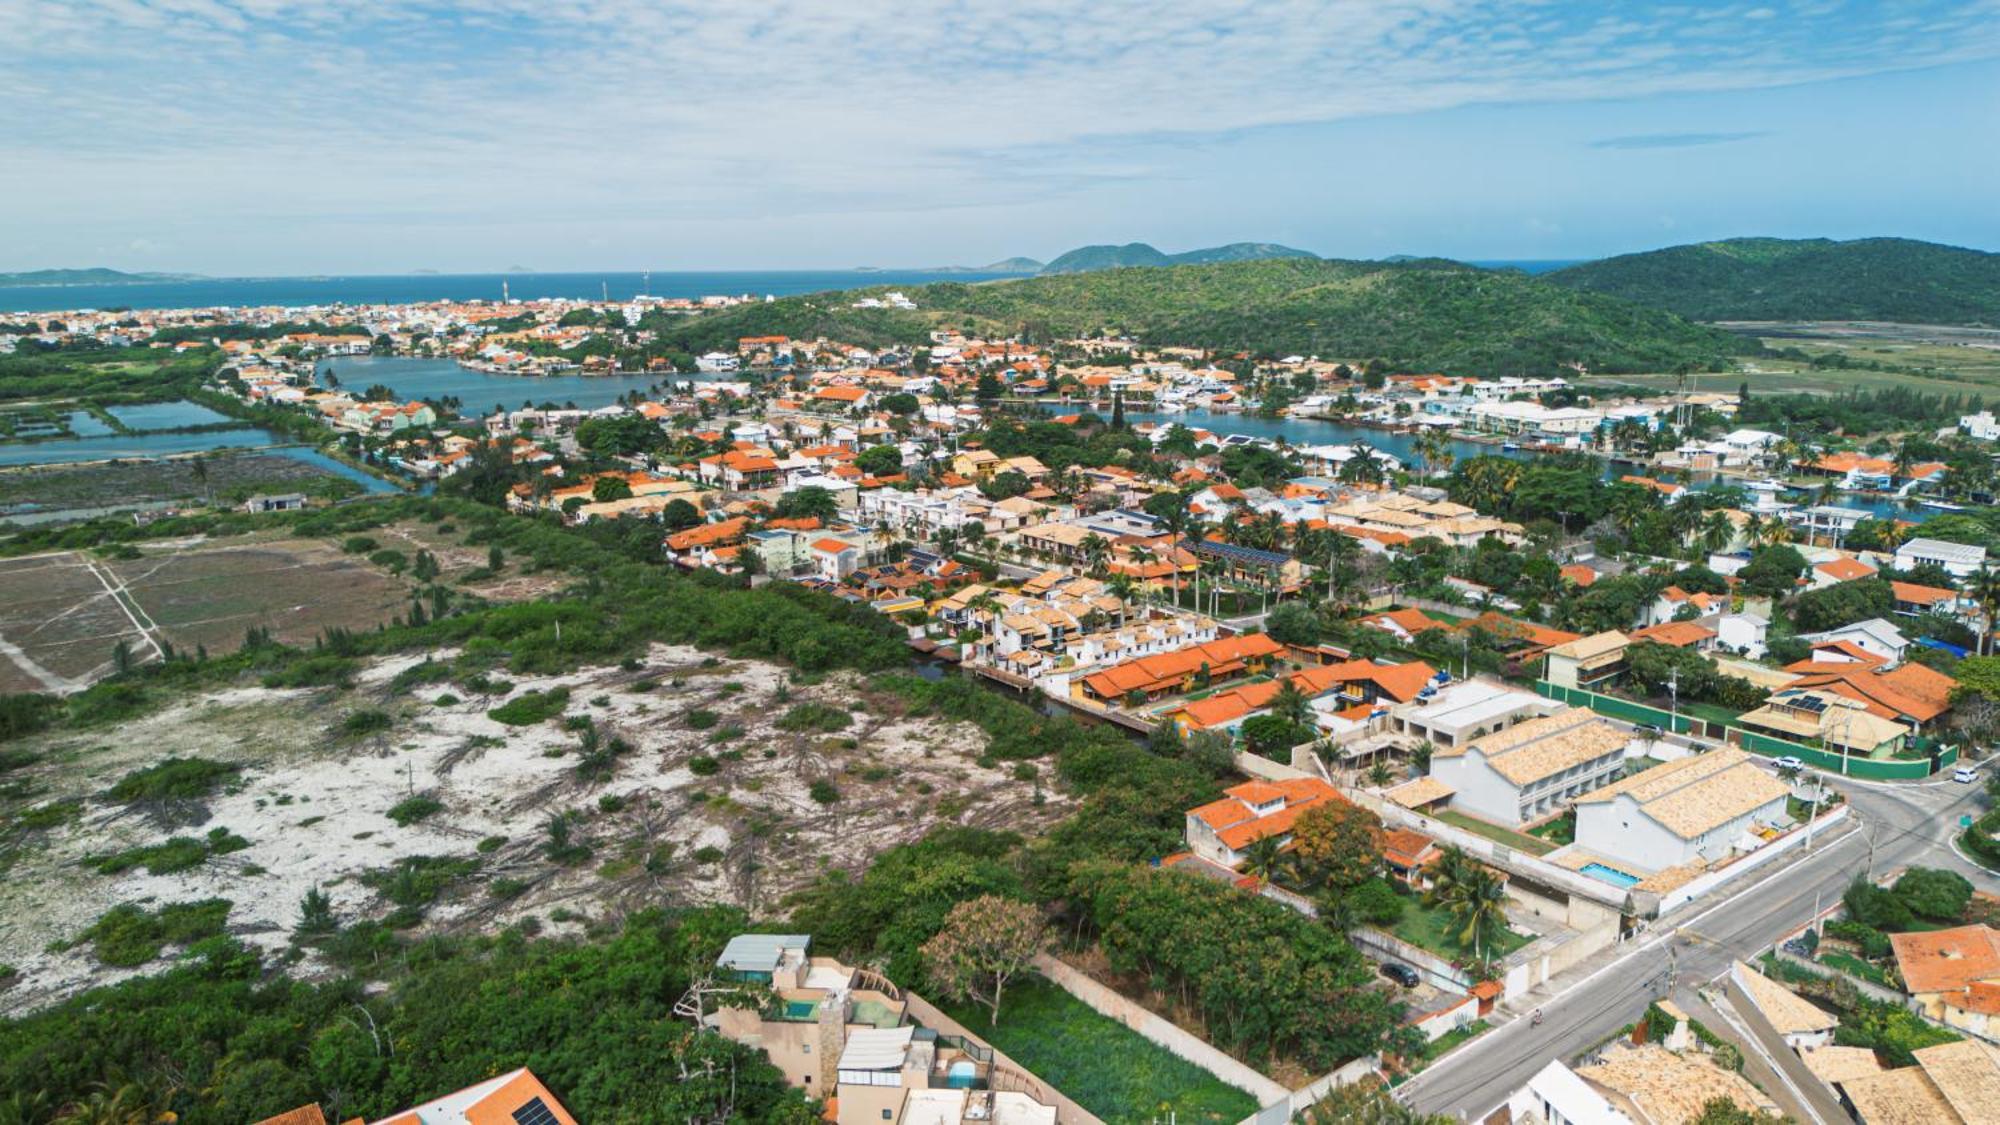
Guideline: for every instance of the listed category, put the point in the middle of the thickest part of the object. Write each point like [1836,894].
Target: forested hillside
[1895,279]
[1418,315]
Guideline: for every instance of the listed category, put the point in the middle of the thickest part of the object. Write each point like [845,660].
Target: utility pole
[1673,700]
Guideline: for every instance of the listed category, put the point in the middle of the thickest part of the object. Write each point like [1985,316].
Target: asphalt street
[1896,826]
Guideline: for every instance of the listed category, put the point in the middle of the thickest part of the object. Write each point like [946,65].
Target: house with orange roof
[514,1098]
[1953,976]
[1675,602]
[1835,571]
[1912,694]
[1579,575]
[1676,634]
[1403,624]
[842,398]
[1150,677]
[681,546]
[1222,831]
[1914,599]
[835,559]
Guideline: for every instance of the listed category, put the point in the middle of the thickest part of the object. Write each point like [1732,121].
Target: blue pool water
[1609,875]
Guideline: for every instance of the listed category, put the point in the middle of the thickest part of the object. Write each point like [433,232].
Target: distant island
[35,279]
[1758,279]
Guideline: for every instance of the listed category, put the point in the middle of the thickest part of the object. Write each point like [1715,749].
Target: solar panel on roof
[536,1112]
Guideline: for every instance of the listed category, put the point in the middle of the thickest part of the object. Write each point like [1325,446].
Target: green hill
[1804,279]
[1426,314]
[1087,258]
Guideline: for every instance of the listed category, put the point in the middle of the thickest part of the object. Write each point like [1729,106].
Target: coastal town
[1502,686]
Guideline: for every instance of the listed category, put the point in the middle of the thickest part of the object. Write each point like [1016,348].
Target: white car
[1788,763]
[1965,775]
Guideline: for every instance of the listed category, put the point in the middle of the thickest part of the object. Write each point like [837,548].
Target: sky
[274,137]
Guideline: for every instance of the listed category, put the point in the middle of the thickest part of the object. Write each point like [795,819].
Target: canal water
[482,392]
[1315,431]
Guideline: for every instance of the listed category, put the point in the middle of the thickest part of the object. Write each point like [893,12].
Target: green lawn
[1507,836]
[1444,1043]
[1109,1069]
[1855,966]
[1433,929]
[1560,831]
[1710,712]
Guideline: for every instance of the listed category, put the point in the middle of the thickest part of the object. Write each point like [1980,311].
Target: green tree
[984,943]
[1293,623]
[1337,844]
[880,460]
[808,502]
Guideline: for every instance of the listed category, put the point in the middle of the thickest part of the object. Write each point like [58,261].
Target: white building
[1700,808]
[1742,633]
[1980,426]
[1958,559]
[1533,768]
[1469,710]
[1874,636]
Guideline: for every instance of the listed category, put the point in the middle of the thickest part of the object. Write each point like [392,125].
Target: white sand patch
[687,814]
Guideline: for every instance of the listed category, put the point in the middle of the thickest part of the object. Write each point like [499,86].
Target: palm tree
[1291,704]
[1453,868]
[1266,859]
[1380,774]
[1717,531]
[1478,904]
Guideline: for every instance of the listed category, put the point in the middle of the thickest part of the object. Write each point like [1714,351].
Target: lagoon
[1313,431]
[165,415]
[131,447]
[481,392]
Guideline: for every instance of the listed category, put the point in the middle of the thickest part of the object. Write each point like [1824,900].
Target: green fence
[1613,707]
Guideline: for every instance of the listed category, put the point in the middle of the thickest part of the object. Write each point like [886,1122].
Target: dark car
[1400,973]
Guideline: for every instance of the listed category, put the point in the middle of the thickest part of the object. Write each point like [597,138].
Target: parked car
[1965,775]
[1788,763]
[1400,973]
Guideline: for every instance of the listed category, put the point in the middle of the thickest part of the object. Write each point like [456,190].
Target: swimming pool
[801,1009]
[1609,875]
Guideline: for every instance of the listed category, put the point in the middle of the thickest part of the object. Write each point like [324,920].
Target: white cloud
[447,113]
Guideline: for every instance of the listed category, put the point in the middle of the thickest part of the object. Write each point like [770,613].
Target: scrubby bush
[172,779]
[531,707]
[819,717]
[412,809]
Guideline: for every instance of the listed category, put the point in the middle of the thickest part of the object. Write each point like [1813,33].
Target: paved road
[1898,826]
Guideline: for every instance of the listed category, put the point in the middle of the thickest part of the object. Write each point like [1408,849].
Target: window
[888,1115]
[536,1112]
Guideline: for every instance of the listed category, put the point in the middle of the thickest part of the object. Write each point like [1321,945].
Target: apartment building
[1532,769]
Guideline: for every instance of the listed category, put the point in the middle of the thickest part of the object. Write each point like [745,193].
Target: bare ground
[311,802]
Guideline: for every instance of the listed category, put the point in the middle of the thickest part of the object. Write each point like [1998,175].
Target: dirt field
[713,800]
[58,622]
[210,594]
[62,615]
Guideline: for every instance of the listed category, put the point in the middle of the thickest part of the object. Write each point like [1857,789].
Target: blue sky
[305,136]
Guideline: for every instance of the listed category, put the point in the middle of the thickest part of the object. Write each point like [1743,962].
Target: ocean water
[295,292]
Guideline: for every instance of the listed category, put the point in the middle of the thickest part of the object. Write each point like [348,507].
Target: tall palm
[1478,907]
[1717,531]
[1291,704]
[1454,867]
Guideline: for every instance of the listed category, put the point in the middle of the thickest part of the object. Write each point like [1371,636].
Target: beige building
[1701,808]
[1533,768]
[1587,662]
[1952,1084]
